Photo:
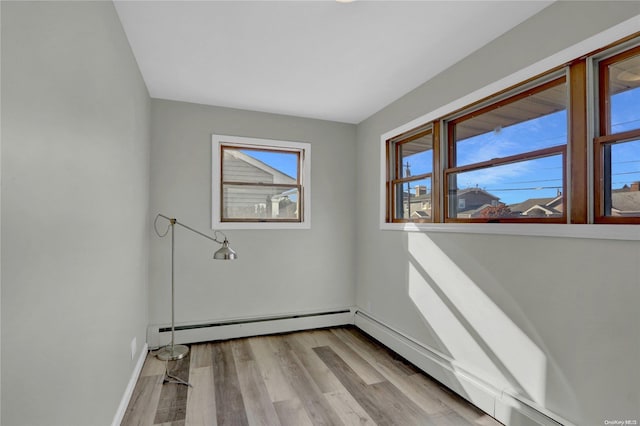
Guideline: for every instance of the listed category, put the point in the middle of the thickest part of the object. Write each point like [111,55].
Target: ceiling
[319,59]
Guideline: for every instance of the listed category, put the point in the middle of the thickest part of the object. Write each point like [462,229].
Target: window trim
[612,36]
[303,149]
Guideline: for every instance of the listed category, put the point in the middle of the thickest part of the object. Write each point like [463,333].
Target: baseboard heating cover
[508,408]
[160,335]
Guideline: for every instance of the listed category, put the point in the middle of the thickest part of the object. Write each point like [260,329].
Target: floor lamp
[172,351]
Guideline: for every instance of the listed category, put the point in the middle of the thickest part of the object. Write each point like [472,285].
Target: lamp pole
[172,352]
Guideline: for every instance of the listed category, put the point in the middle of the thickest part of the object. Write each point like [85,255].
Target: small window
[507,157]
[617,165]
[258,182]
[410,177]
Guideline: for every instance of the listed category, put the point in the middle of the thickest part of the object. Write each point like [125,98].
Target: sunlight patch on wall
[477,333]
[458,341]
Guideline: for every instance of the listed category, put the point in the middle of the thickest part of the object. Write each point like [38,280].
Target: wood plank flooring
[337,376]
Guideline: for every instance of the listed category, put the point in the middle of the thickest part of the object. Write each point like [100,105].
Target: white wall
[75,222]
[278,271]
[553,319]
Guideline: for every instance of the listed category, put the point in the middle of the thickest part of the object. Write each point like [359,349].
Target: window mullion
[577,198]
[546,152]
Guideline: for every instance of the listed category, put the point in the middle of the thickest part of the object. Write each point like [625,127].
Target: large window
[561,147]
[259,181]
[506,160]
[410,176]
[617,145]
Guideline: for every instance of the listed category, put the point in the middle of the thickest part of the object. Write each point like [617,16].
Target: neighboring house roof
[626,202]
[548,205]
[421,214]
[546,210]
[473,212]
[462,192]
[531,202]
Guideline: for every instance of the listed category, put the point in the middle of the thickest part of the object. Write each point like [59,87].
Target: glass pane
[259,202]
[258,166]
[413,199]
[624,190]
[531,188]
[535,122]
[624,91]
[416,156]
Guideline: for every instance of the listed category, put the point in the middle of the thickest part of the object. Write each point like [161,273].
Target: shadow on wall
[478,336]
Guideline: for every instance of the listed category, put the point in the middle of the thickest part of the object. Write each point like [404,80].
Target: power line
[624,122]
[626,173]
[538,188]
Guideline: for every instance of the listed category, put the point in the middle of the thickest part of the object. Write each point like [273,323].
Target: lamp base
[172,352]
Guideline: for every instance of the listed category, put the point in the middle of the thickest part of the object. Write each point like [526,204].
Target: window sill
[223,226]
[600,232]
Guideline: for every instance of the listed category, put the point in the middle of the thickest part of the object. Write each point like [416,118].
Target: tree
[501,210]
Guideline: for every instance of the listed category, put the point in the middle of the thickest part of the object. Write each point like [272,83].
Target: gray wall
[554,318]
[278,271]
[75,225]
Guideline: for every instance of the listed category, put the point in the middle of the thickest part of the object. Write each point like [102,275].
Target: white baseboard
[510,409]
[124,403]
[160,335]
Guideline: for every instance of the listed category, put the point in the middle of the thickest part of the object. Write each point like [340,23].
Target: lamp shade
[225,252]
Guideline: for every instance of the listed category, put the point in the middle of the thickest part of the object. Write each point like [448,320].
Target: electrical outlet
[134,347]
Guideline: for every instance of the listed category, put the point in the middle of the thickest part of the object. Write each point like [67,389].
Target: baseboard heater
[507,407]
[159,335]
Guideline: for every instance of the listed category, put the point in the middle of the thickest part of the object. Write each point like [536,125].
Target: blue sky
[513,183]
[625,157]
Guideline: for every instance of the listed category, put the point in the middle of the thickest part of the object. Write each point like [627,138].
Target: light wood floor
[321,377]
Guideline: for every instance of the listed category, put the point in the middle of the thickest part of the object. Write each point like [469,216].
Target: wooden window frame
[394,170]
[546,81]
[297,185]
[605,138]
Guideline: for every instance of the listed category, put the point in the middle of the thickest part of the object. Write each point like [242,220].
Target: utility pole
[407,173]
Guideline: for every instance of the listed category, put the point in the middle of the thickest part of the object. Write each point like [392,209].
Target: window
[560,147]
[617,143]
[257,181]
[410,176]
[506,157]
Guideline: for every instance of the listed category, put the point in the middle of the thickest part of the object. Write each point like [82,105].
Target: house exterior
[420,203]
[260,200]
[626,200]
[539,207]
[472,202]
